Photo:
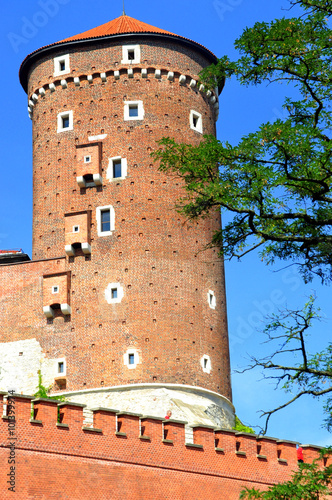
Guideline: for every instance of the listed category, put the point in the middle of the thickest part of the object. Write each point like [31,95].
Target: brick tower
[119,306]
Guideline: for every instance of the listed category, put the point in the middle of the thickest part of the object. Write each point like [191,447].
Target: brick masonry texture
[153,253]
[133,457]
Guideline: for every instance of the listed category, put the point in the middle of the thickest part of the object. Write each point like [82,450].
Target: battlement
[50,426]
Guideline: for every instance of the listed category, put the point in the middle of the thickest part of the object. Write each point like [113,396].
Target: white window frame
[140,110]
[99,210]
[60,122]
[206,363]
[109,173]
[211,299]
[126,358]
[108,293]
[87,160]
[199,126]
[57,373]
[57,61]
[55,287]
[137,54]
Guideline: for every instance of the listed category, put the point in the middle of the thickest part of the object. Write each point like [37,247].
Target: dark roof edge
[24,68]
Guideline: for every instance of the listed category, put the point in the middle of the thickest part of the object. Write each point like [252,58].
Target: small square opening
[55,289]
[76,229]
[133,110]
[131,359]
[117,168]
[87,159]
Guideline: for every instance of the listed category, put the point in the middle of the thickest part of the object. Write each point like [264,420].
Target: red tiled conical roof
[119,27]
[122,24]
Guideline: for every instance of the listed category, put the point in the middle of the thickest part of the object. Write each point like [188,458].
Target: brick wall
[134,460]
[153,253]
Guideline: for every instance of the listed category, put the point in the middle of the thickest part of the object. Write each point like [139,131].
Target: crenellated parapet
[50,426]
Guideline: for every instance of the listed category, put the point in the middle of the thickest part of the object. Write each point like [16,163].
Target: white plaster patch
[97,137]
[19,365]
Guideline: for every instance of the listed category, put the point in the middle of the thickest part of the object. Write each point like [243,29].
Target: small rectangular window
[205,362]
[131,55]
[76,229]
[133,110]
[61,65]
[65,121]
[55,289]
[61,367]
[114,293]
[105,216]
[131,359]
[87,159]
[117,171]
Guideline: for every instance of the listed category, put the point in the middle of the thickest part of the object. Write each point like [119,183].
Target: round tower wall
[172,311]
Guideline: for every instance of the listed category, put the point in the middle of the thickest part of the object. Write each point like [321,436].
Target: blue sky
[252,288]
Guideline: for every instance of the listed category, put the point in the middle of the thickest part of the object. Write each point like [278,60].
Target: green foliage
[239,426]
[276,183]
[43,392]
[309,482]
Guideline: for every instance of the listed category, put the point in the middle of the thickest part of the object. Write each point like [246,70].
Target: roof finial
[123,12]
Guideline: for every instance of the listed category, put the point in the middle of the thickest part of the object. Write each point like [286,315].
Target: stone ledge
[91,429]
[193,445]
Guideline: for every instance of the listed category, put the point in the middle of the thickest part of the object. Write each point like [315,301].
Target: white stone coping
[176,387]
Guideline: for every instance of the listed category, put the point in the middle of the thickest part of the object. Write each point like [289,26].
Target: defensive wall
[132,456]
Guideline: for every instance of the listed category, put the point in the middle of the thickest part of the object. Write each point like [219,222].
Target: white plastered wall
[19,365]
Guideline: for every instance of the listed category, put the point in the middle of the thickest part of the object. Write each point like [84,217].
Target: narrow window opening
[133,110]
[205,362]
[61,367]
[131,359]
[114,293]
[195,121]
[131,55]
[65,121]
[105,217]
[117,168]
[62,65]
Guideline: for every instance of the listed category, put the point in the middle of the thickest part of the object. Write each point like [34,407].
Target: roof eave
[24,68]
